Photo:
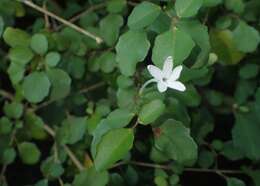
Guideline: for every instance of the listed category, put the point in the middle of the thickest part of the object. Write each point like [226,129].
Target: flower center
[164,79]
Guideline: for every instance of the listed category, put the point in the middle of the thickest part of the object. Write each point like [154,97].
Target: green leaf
[175,43]
[246,135]
[5,125]
[34,125]
[52,59]
[199,34]
[16,37]
[231,152]
[223,45]
[60,83]
[115,6]
[51,169]
[16,73]
[187,8]
[20,55]
[211,3]
[235,182]
[127,59]
[119,118]
[36,87]
[113,146]
[206,159]
[151,111]
[174,140]
[8,156]
[236,6]
[39,43]
[72,130]
[107,62]
[13,110]
[143,15]
[29,153]
[249,71]
[246,38]
[90,177]
[110,27]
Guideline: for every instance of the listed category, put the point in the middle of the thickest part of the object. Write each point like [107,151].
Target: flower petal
[177,85]
[162,87]
[167,67]
[155,72]
[176,73]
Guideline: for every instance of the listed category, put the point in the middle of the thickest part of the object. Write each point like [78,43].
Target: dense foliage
[72,110]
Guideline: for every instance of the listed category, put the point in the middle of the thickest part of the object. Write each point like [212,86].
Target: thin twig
[85,12]
[65,22]
[167,167]
[46,18]
[72,156]
[90,88]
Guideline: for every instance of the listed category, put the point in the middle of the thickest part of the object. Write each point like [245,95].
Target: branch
[65,22]
[167,167]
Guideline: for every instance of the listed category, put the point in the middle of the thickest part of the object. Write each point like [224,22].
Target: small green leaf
[235,182]
[143,15]
[52,59]
[60,83]
[36,87]
[5,125]
[236,6]
[249,71]
[127,59]
[72,130]
[16,73]
[116,6]
[13,110]
[110,27]
[35,126]
[90,177]
[20,55]
[8,156]
[175,43]
[29,153]
[16,37]
[39,44]
[246,38]
[187,8]
[223,45]
[107,62]
[113,146]
[51,169]
[151,111]
[174,140]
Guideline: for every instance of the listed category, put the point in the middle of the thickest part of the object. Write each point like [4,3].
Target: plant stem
[65,22]
[167,167]
[145,84]
[90,88]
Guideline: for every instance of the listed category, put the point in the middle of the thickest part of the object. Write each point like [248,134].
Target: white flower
[167,77]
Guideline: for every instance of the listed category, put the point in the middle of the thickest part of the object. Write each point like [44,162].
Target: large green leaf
[187,8]
[113,146]
[174,140]
[235,182]
[175,43]
[21,55]
[36,87]
[131,48]
[39,44]
[143,15]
